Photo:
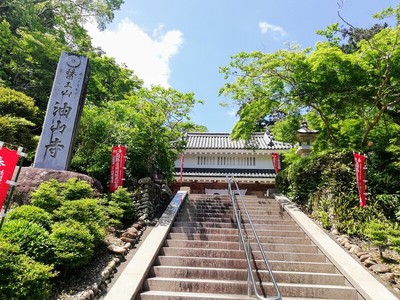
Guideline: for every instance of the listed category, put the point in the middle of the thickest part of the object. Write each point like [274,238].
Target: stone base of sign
[30,178]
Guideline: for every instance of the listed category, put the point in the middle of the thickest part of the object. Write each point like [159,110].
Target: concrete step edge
[186,295]
[245,270]
[240,259]
[197,280]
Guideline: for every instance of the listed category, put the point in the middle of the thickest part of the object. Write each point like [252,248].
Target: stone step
[204,230]
[231,237]
[204,219]
[316,291]
[281,233]
[220,234]
[239,254]
[165,295]
[210,209]
[203,236]
[201,259]
[210,214]
[266,224]
[280,240]
[199,243]
[272,206]
[196,285]
[230,225]
[240,274]
[259,218]
[204,224]
[206,207]
[241,264]
[240,288]
[205,210]
[230,215]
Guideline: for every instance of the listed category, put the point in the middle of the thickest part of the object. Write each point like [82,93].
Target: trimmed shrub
[85,211]
[30,237]
[21,276]
[124,200]
[378,234]
[47,196]
[72,244]
[31,213]
[75,189]
[115,214]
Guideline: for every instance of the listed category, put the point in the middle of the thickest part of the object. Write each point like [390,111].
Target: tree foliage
[18,117]
[31,45]
[63,18]
[151,123]
[345,94]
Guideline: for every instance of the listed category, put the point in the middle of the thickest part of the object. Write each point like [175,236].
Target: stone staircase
[200,258]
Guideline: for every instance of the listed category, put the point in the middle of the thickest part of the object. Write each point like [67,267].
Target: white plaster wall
[261,162]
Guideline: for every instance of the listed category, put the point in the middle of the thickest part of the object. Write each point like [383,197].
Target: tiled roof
[206,140]
[242,173]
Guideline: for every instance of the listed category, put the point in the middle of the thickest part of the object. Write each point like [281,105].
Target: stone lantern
[305,136]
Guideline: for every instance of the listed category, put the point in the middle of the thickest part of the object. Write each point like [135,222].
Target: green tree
[151,123]
[110,81]
[339,91]
[64,19]
[18,116]
[28,63]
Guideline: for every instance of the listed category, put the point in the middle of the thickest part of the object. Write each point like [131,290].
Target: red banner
[275,161]
[8,161]
[118,155]
[182,162]
[359,161]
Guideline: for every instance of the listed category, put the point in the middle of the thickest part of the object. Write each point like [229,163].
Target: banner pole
[11,191]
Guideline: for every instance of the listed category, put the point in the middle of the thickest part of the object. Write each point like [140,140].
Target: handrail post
[240,244]
[248,249]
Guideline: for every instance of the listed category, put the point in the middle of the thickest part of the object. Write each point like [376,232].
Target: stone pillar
[63,113]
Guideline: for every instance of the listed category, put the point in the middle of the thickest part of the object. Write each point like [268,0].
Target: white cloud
[232,112]
[265,27]
[148,55]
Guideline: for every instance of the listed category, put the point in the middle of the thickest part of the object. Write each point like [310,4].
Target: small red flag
[275,161]
[359,165]
[118,155]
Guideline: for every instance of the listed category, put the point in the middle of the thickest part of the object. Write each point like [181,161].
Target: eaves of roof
[211,172]
[223,141]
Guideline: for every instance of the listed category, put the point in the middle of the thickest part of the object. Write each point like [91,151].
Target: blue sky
[182,43]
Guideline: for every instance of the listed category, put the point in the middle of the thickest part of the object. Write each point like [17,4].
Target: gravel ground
[70,288]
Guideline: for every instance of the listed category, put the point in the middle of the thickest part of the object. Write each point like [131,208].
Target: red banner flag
[182,162]
[275,161]
[359,163]
[118,154]
[8,161]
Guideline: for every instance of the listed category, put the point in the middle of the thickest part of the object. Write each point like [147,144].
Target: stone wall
[150,198]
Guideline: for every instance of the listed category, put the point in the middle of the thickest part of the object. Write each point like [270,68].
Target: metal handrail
[246,244]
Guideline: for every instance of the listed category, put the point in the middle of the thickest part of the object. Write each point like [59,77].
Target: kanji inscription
[63,113]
